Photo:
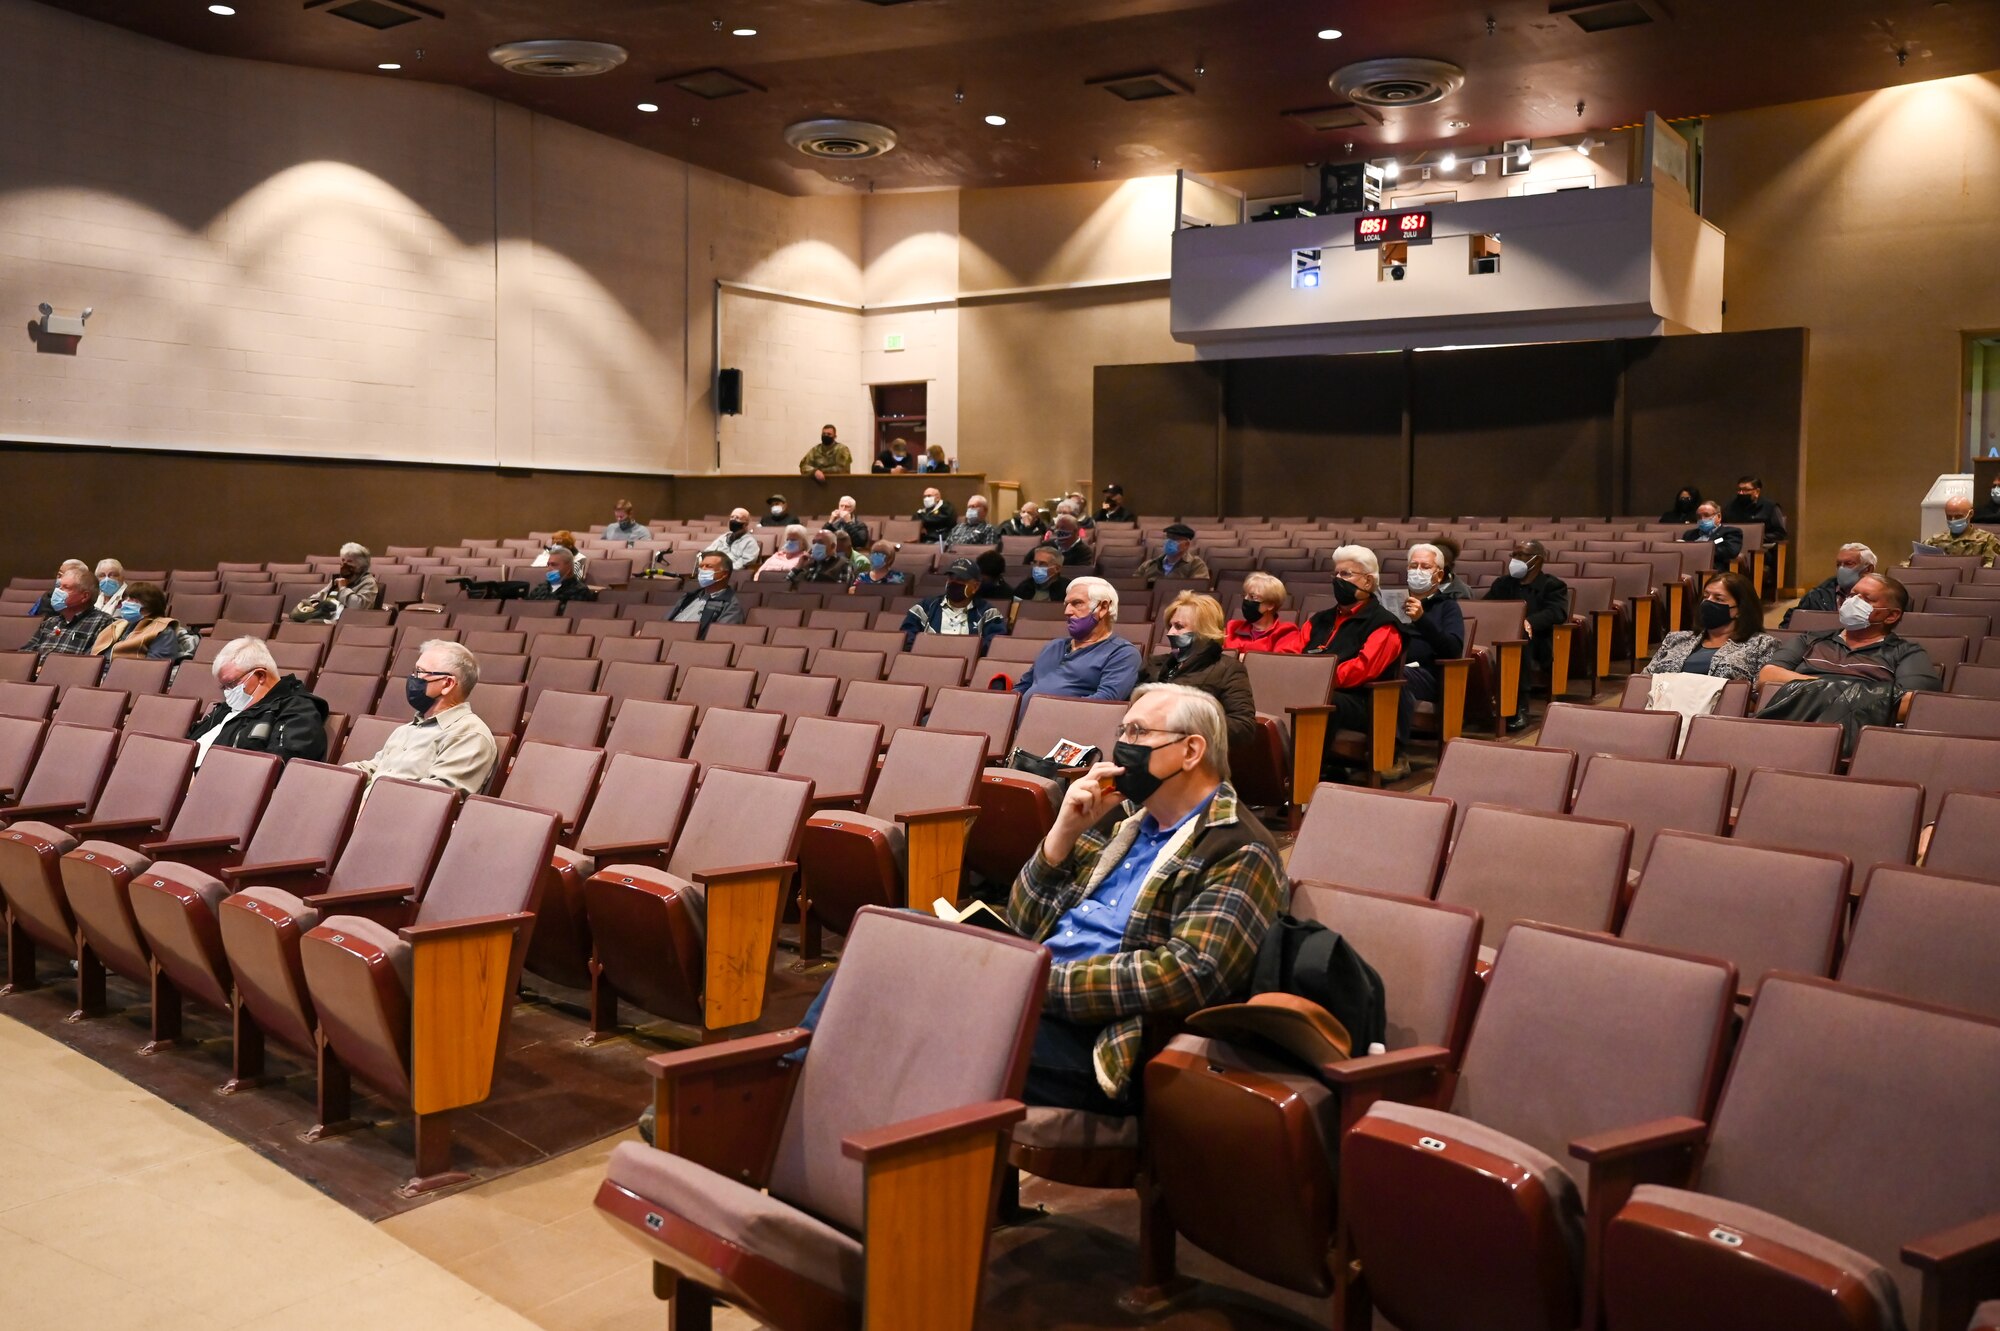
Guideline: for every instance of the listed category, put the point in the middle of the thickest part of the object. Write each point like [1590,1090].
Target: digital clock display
[1374,228]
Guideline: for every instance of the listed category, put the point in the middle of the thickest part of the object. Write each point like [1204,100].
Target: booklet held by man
[976,913]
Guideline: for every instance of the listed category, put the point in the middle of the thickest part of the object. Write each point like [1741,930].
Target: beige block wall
[1870,221]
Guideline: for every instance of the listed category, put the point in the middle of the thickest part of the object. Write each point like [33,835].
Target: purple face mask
[1081,625]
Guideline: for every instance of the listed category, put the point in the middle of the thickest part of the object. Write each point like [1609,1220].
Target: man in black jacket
[1851,563]
[1751,506]
[1548,605]
[712,601]
[561,582]
[1112,508]
[1728,541]
[260,709]
[936,516]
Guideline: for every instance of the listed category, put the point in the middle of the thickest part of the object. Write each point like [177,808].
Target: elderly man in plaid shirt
[74,621]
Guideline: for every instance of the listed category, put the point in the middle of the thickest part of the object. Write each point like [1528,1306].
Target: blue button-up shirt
[1095,926]
[1108,668]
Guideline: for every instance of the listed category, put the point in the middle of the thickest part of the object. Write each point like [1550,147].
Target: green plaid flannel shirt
[1192,939]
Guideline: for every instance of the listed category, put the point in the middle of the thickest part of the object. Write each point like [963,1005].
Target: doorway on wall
[1982,397]
[901,412]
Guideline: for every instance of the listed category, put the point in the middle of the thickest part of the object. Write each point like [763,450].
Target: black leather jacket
[287,721]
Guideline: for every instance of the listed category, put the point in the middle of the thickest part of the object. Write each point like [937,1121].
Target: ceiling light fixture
[1448,161]
[224,10]
[743,32]
[649,106]
[996,120]
[1329,34]
[1585,146]
[1525,157]
[1391,169]
[388,64]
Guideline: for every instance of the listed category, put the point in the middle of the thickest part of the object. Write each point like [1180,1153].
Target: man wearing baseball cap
[1112,508]
[778,515]
[959,612]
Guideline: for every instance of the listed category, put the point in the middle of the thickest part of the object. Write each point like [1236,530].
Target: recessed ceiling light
[996,120]
[1448,161]
[1329,34]
[649,106]
[743,32]
[388,64]
[1458,124]
[225,10]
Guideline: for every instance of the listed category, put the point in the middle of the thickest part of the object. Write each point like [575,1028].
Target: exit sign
[892,342]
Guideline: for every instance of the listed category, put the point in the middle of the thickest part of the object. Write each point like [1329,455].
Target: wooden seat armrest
[443,929]
[103,826]
[1621,1159]
[728,1054]
[930,1130]
[605,852]
[1454,678]
[1961,1270]
[743,904]
[275,869]
[187,845]
[934,852]
[939,815]
[1678,1133]
[399,894]
[41,811]
[1410,1076]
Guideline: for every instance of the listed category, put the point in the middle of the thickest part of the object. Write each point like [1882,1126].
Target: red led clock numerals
[1371,228]
[1374,228]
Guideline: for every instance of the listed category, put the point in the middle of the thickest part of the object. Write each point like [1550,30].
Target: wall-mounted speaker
[729,392]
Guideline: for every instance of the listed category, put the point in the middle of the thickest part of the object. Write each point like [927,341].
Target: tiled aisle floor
[118,1210]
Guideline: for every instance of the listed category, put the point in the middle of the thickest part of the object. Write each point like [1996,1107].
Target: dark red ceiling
[1031,60]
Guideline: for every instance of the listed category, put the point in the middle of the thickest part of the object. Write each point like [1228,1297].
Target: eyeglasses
[1132,732]
[428,675]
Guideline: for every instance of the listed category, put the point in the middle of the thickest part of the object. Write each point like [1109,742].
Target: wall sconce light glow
[996,120]
[1584,147]
[743,32]
[225,10]
[648,107]
[1391,169]
[1448,161]
[1524,157]
[1329,34]
[388,64]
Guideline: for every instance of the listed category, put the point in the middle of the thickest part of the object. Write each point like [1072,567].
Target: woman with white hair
[790,555]
[1358,632]
[352,587]
[1853,562]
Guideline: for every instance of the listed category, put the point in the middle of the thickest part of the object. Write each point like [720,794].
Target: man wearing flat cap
[959,612]
[779,514]
[1176,559]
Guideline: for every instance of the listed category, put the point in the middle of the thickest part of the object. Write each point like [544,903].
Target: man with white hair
[260,708]
[73,620]
[842,519]
[352,587]
[973,528]
[1067,539]
[1853,562]
[110,585]
[1359,633]
[1091,660]
[446,744]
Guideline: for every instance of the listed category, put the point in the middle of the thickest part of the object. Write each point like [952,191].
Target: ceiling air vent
[557,59]
[1605,15]
[1144,86]
[380,15]
[842,140]
[712,84]
[1397,81]
[1326,119]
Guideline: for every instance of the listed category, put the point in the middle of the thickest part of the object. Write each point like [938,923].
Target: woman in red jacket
[1260,629]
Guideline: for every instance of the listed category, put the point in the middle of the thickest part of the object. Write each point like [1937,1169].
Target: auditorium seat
[552,775]
[1759,909]
[1746,744]
[634,818]
[848,666]
[650,729]
[70,765]
[1017,808]
[838,757]
[713,686]
[851,1195]
[365,737]
[1473,1215]
[211,828]
[420,1013]
[354,696]
[1963,840]
[1379,840]
[1498,682]
[175,905]
[35,702]
[1927,936]
[1652,795]
[1519,776]
[1588,731]
[935,673]
[17,667]
[498,705]
[68,672]
[563,675]
[1952,714]
[1243,1145]
[136,676]
[736,737]
[906,849]
[689,654]
[892,706]
[632,649]
[1870,822]
[104,708]
[1514,864]
[1846,1180]
[991,714]
[622,681]
[810,639]
[356,659]
[663,944]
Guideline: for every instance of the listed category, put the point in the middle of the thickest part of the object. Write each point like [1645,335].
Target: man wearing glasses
[447,744]
[1152,892]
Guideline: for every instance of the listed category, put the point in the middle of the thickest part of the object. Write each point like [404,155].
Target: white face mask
[777,510]
[930,501]
[1419,580]
[1855,613]
[237,696]
[1517,569]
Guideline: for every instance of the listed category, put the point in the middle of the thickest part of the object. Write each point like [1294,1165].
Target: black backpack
[1311,961]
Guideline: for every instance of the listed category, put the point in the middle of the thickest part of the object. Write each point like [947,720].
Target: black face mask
[1182,643]
[416,692]
[1252,611]
[735,526]
[1712,615]
[1136,783]
[1345,592]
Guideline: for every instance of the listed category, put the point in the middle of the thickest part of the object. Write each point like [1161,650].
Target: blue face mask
[704,577]
[818,553]
[58,599]
[1171,548]
[1846,577]
[107,586]
[878,561]
[554,577]
[1039,574]
[791,547]
[1706,524]
[1955,527]
[131,612]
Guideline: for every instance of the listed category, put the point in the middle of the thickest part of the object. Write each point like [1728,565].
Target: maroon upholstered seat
[1375,839]
[1927,936]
